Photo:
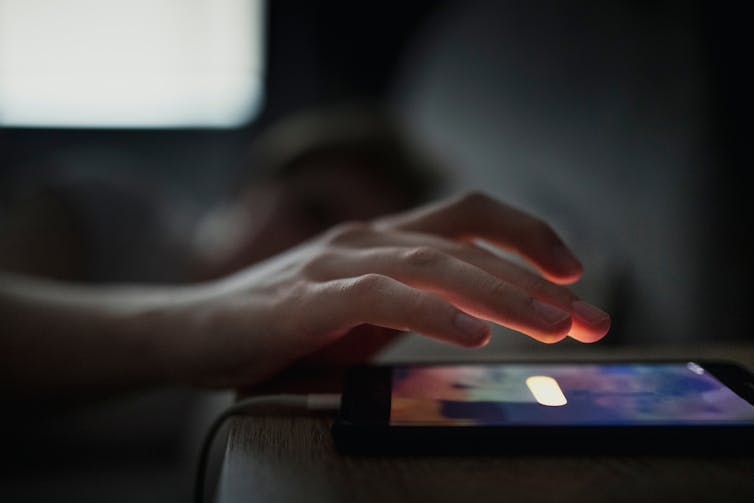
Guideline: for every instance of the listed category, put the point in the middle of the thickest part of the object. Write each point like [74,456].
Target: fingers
[473,278]
[589,323]
[478,216]
[470,288]
[379,300]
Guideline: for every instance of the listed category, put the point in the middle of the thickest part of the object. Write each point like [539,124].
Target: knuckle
[499,288]
[542,287]
[476,204]
[473,202]
[423,305]
[524,304]
[347,232]
[415,303]
[368,284]
[317,264]
[534,283]
[471,253]
[563,295]
[527,302]
[423,256]
[474,199]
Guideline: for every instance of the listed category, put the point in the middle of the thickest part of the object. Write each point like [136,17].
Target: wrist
[165,328]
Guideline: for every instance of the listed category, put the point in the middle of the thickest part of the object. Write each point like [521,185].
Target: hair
[368,133]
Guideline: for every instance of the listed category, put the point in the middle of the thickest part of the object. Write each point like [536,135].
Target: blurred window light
[130,63]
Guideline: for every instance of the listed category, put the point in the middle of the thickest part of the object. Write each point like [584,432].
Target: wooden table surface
[289,458]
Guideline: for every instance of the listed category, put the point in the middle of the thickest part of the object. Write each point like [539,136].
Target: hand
[417,271]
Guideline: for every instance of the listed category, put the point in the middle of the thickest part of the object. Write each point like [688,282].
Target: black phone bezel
[362,425]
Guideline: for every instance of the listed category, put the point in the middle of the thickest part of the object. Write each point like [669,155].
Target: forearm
[62,341]
[412,272]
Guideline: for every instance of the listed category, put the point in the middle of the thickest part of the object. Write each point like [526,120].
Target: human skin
[417,271]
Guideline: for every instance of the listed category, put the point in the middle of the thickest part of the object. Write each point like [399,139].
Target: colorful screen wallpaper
[583,394]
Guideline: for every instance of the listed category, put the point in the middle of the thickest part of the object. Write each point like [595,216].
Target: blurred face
[331,191]
[274,216]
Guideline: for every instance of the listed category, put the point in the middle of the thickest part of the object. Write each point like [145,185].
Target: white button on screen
[546,391]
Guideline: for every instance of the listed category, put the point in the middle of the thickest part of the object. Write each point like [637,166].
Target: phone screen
[563,394]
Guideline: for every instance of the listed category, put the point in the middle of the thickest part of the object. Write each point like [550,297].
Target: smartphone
[670,406]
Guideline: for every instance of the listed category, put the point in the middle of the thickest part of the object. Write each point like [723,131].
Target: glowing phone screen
[563,394]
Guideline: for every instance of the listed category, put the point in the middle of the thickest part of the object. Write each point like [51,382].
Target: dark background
[316,53]
[320,53]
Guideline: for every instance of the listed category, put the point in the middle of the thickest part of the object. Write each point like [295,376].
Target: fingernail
[589,313]
[472,327]
[565,260]
[549,313]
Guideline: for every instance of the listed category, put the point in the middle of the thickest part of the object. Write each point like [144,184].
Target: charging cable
[250,406]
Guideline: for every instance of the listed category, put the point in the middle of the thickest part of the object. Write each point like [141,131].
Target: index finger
[476,215]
